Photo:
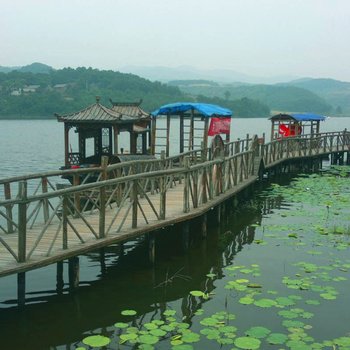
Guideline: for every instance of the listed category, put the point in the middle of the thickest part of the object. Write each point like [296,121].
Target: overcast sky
[255,37]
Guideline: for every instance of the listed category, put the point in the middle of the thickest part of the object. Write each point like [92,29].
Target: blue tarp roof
[300,117]
[205,109]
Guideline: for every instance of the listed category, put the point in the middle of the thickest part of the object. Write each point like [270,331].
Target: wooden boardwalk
[40,225]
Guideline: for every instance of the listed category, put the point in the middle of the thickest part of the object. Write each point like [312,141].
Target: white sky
[255,37]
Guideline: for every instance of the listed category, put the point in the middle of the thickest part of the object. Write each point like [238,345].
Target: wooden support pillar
[21,289]
[191,135]
[102,253]
[77,204]
[22,221]
[152,248]
[204,226]
[45,201]
[59,278]
[167,135]
[66,144]
[73,273]
[182,147]
[153,135]
[218,214]
[185,236]
[102,213]
[115,139]
[9,220]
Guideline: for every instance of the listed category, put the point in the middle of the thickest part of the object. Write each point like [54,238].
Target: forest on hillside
[25,94]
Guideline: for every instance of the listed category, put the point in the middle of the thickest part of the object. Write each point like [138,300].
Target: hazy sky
[255,37]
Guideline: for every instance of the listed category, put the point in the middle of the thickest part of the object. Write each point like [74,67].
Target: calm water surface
[115,279]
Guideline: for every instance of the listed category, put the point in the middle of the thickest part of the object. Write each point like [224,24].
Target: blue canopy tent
[294,124]
[198,116]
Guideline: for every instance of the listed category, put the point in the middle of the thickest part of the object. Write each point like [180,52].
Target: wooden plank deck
[39,258]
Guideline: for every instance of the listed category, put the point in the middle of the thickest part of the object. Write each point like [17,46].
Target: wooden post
[22,221]
[167,135]
[59,278]
[182,133]
[162,189]
[102,217]
[115,138]
[185,235]
[153,135]
[45,201]
[65,222]
[204,226]
[190,139]
[9,220]
[73,273]
[134,203]
[76,182]
[186,203]
[66,144]
[205,133]
[21,289]
[218,214]
[151,248]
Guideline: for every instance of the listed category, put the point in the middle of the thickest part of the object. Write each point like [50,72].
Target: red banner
[219,126]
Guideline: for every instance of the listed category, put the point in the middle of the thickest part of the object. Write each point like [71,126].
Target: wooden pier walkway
[40,224]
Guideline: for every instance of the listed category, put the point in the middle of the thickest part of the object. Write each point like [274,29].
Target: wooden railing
[127,190]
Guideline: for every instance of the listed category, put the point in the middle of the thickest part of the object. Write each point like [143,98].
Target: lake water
[117,279]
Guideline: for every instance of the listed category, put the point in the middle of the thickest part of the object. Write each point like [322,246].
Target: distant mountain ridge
[35,67]
[166,74]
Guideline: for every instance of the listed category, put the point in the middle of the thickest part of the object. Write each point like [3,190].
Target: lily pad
[96,341]
[247,343]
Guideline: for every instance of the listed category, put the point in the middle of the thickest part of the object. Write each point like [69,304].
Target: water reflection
[121,277]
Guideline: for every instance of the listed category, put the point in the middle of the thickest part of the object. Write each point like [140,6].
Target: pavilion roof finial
[98,99]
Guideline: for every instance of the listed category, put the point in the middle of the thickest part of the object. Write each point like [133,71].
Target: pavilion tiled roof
[102,114]
[132,109]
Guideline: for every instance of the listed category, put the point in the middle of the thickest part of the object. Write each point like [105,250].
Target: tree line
[27,94]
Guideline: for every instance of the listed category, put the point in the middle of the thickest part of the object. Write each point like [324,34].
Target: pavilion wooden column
[190,139]
[167,134]
[205,132]
[66,144]
[181,133]
[153,136]
[115,139]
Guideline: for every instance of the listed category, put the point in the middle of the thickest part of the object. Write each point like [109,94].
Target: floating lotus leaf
[150,326]
[211,275]
[312,302]
[121,325]
[158,332]
[293,323]
[246,300]
[277,338]
[328,296]
[169,312]
[247,343]
[96,341]
[307,315]
[211,333]
[190,337]
[128,336]
[148,339]
[298,345]
[265,303]
[128,312]
[182,347]
[284,301]
[258,332]
[342,341]
[288,314]
[196,293]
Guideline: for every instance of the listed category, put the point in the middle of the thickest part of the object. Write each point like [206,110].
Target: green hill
[27,95]
[276,97]
[67,90]
[335,92]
